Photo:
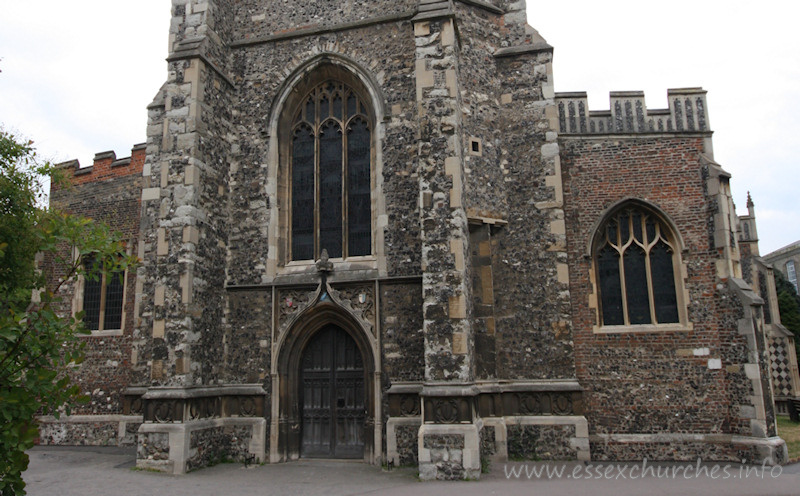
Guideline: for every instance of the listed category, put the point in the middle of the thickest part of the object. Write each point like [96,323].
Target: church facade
[373,230]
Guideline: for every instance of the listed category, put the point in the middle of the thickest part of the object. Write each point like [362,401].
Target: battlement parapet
[687,113]
[106,165]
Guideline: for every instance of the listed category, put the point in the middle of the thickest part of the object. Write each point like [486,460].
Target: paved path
[89,471]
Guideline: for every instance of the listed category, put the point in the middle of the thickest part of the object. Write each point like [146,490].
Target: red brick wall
[640,382]
[108,191]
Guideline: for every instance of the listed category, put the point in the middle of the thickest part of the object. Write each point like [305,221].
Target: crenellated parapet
[687,113]
[105,166]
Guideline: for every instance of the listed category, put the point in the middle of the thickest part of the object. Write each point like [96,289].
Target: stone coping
[523,386]
[460,390]
[685,437]
[636,135]
[90,419]
[484,387]
[135,390]
[405,389]
[522,50]
[203,392]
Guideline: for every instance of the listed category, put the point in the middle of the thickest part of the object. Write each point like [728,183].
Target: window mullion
[317,185]
[102,318]
[623,289]
[345,191]
[647,245]
[649,274]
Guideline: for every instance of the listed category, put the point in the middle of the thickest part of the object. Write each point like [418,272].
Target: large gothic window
[331,167]
[635,261]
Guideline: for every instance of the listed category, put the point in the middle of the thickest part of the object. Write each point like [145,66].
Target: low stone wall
[688,447]
[220,444]
[402,444]
[89,430]
[180,447]
[543,437]
[541,442]
[449,451]
[488,442]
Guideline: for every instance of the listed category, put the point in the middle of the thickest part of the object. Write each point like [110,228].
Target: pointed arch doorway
[332,396]
[326,352]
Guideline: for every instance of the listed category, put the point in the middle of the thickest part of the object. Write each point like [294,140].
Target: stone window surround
[77,304]
[475,146]
[296,86]
[327,91]
[678,265]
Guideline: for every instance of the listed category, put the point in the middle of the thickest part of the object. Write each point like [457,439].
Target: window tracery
[635,260]
[331,167]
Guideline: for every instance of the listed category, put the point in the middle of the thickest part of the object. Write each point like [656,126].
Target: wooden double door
[332,396]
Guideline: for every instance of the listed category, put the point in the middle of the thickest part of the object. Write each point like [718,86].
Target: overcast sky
[77,76]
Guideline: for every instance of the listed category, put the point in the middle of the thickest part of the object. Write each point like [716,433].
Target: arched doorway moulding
[325,309]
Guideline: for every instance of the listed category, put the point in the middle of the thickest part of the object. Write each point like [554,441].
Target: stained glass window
[635,270]
[331,175]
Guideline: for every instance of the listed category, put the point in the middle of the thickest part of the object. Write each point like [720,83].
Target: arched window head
[330,164]
[636,263]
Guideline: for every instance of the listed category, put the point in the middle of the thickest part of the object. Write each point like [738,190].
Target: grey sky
[77,77]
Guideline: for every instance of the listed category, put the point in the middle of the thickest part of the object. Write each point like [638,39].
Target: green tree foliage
[789,306]
[38,346]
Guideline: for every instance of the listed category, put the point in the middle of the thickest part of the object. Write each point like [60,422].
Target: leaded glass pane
[663,277]
[637,227]
[303,194]
[610,288]
[611,232]
[624,228]
[337,106]
[311,114]
[113,310]
[359,219]
[330,194]
[92,292]
[636,285]
[351,105]
[324,111]
[651,230]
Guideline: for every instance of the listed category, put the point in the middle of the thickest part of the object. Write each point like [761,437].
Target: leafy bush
[38,347]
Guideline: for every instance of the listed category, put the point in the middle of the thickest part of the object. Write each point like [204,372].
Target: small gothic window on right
[635,259]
